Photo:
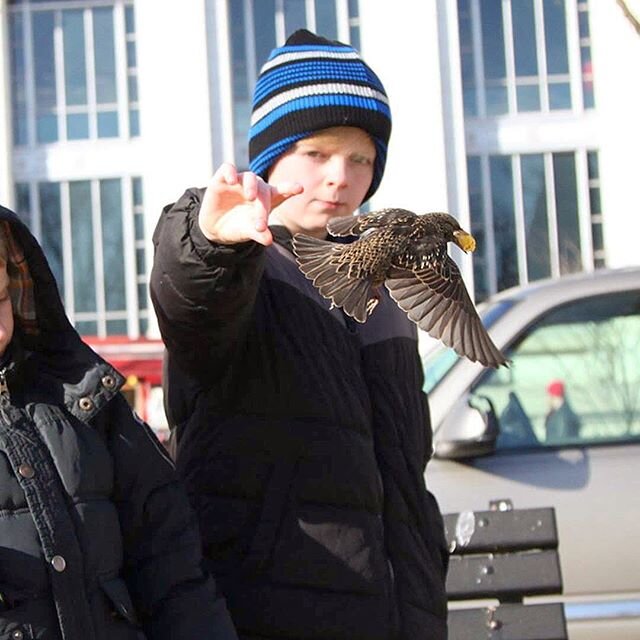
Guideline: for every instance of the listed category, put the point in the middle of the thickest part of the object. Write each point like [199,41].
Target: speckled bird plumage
[407,253]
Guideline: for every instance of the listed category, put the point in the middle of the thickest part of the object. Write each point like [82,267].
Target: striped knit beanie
[311,84]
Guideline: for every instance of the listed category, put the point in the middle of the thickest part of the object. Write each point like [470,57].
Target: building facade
[518,116]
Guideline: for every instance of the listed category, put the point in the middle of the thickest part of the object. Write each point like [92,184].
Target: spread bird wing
[438,302]
[356,225]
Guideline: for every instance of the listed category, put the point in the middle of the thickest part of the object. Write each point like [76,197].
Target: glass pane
[326,19]
[594,200]
[82,250]
[143,292]
[17,75]
[295,16]
[263,15]
[112,244]
[492,39]
[354,30]
[108,124]
[75,73]
[564,174]
[242,93]
[573,377]
[132,55]
[528,98]
[524,38]
[592,164]
[476,213]
[141,260]
[134,122]
[560,96]
[116,327]
[129,20]
[497,100]
[23,202]
[87,328]
[144,326]
[51,228]
[597,237]
[534,195]
[504,228]
[138,222]
[555,35]
[105,60]
[77,126]
[47,128]
[45,76]
[136,184]
[132,86]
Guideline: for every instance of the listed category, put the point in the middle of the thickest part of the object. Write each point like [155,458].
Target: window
[257,26]
[525,214]
[92,232]
[73,71]
[573,376]
[517,56]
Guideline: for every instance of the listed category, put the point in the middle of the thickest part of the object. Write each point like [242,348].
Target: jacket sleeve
[173,596]
[203,293]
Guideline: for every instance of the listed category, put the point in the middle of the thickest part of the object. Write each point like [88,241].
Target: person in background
[302,435]
[561,422]
[97,537]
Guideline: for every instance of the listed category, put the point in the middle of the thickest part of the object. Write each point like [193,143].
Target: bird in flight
[408,254]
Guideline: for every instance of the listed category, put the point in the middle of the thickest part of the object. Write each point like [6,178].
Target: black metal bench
[503,554]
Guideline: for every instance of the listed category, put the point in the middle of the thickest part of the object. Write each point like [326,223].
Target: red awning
[141,358]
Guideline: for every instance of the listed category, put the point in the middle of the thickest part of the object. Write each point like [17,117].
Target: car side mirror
[475,429]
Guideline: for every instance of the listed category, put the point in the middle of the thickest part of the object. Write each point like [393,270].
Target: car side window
[574,376]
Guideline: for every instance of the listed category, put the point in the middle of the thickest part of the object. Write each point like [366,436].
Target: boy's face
[335,167]
[6,309]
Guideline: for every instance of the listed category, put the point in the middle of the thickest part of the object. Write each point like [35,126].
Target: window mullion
[509,55]
[554,248]
[584,209]
[478,60]
[342,19]
[96,215]
[58,54]
[91,74]
[67,250]
[518,203]
[487,208]
[542,56]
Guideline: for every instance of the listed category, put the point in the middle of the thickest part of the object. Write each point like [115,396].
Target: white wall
[399,40]
[6,174]
[616,60]
[174,99]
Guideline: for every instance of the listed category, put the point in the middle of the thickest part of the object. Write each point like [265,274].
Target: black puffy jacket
[302,437]
[97,539]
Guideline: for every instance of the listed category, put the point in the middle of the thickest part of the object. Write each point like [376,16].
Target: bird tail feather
[319,260]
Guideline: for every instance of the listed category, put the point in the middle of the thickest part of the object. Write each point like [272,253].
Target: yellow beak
[464,240]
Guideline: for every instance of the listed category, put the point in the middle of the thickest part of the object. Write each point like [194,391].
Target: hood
[41,323]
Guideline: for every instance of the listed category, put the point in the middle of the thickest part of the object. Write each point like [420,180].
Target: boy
[97,540]
[301,435]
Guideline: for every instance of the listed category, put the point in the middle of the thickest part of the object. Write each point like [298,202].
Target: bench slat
[509,622]
[504,576]
[486,531]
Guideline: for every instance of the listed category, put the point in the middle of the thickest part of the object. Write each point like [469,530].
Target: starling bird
[408,253]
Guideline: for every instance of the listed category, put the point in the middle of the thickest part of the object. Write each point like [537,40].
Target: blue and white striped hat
[311,84]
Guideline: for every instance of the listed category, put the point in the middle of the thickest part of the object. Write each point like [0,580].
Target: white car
[559,427]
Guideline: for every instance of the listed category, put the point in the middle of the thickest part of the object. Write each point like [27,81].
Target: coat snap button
[17,635]
[108,382]
[58,563]
[26,471]
[86,404]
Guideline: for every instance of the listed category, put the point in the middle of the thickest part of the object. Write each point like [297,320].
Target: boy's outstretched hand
[236,206]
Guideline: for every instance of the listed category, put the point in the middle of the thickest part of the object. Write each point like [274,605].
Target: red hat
[556,388]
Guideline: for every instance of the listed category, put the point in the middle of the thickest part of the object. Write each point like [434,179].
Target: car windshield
[437,362]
